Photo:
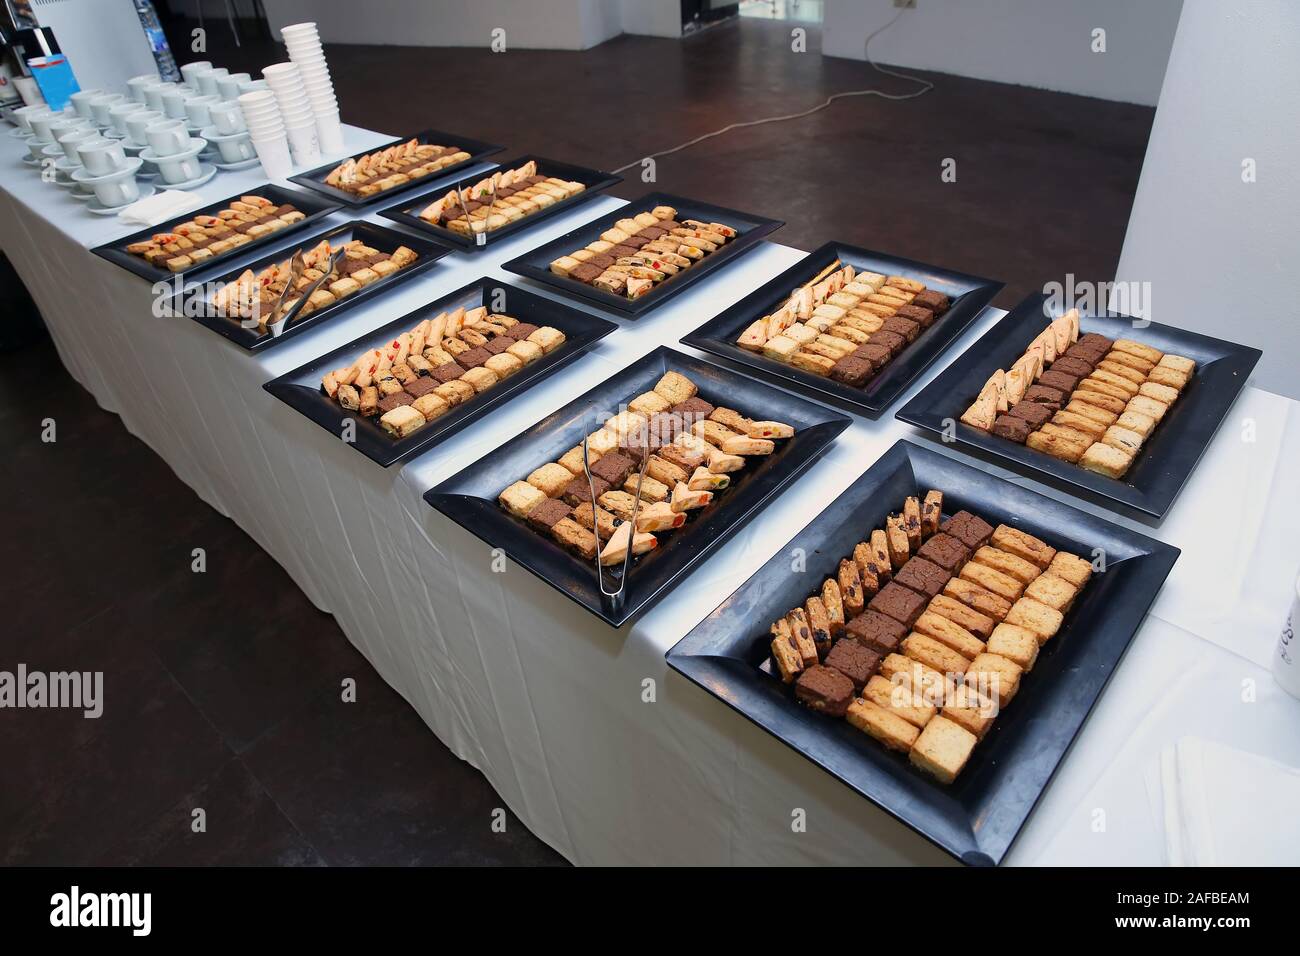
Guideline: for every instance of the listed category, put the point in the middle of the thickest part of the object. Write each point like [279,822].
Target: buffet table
[599,749]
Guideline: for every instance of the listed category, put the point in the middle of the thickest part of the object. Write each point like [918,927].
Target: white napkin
[160,207]
[1221,806]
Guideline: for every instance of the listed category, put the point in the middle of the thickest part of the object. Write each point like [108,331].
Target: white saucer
[80,192]
[113,134]
[242,164]
[20,133]
[29,161]
[207,171]
[84,175]
[99,209]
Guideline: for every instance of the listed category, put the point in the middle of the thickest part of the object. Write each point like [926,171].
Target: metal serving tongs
[277,327]
[480,238]
[613,601]
[297,266]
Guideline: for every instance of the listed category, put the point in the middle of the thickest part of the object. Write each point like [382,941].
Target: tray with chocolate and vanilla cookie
[1113,408]
[474,214]
[377,174]
[939,646]
[199,240]
[403,388]
[643,254]
[679,454]
[847,324]
[283,294]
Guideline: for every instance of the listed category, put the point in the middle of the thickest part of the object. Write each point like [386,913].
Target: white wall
[1221,253]
[542,24]
[529,24]
[656,18]
[1042,43]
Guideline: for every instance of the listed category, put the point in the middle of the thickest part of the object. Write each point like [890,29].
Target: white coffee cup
[208,81]
[101,156]
[137,125]
[168,138]
[121,111]
[100,107]
[1286,659]
[153,94]
[81,102]
[191,71]
[117,190]
[24,114]
[197,110]
[136,85]
[180,170]
[71,139]
[173,101]
[236,148]
[228,86]
[227,117]
[61,127]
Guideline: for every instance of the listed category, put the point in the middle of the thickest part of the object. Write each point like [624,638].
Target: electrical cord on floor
[926,87]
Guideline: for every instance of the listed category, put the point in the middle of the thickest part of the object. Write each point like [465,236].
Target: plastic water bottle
[1286,659]
[162,52]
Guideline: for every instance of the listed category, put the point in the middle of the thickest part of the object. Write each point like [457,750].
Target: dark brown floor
[232,705]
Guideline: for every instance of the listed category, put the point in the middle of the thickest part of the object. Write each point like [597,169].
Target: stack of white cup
[295,112]
[266,128]
[305,51]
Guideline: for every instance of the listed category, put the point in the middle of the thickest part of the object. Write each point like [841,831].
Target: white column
[1222,253]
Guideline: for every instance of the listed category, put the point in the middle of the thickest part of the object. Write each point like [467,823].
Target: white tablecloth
[548,702]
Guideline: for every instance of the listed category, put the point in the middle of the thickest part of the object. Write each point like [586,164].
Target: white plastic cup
[277,163]
[330,135]
[1286,659]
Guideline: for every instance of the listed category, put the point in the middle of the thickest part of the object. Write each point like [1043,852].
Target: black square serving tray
[470,497]
[301,388]
[1166,459]
[189,301]
[968,294]
[977,817]
[478,150]
[313,207]
[536,264]
[406,213]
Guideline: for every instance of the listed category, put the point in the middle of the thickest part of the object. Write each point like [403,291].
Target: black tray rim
[288,387]
[635,308]
[939,399]
[115,251]
[716,674]
[402,213]
[478,150]
[448,498]
[712,336]
[429,251]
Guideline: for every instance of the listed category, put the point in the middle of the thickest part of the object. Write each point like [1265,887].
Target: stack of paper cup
[305,51]
[266,128]
[296,112]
